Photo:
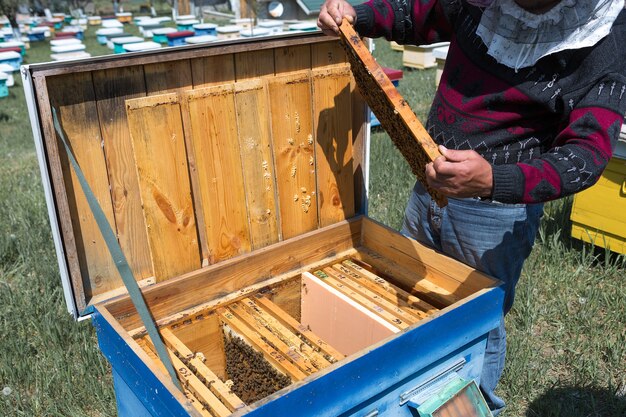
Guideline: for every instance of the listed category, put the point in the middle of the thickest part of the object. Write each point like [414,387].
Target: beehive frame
[393,111]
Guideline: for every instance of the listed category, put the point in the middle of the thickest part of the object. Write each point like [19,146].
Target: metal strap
[119,259]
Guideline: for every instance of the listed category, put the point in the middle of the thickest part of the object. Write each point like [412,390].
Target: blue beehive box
[103,34]
[37,34]
[34,37]
[178,38]
[344,316]
[6,33]
[118,43]
[13,59]
[4,89]
[15,44]
[160,35]
[205,29]
[186,24]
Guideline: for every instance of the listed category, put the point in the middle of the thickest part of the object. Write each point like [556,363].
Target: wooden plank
[359,133]
[394,113]
[195,182]
[74,99]
[137,351]
[151,353]
[112,88]
[212,70]
[256,160]
[407,278]
[217,387]
[168,77]
[254,64]
[330,352]
[212,284]
[256,341]
[176,77]
[385,288]
[410,280]
[292,58]
[442,270]
[196,404]
[158,142]
[330,277]
[340,320]
[294,355]
[200,391]
[147,347]
[215,144]
[286,334]
[61,196]
[286,295]
[404,314]
[182,317]
[294,152]
[202,333]
[333,135]
[327,54]
[176,54]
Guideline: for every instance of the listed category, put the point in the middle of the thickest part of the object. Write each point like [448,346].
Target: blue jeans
[492,237]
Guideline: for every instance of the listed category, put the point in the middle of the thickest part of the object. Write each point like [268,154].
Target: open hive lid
[196,154]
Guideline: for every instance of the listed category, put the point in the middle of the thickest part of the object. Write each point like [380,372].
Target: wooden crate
[396,46]
[308,313]
[294,328]
[233,176]
[421,56]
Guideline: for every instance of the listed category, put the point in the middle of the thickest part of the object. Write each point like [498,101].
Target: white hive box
[141,46]
[421,56]
[201,39]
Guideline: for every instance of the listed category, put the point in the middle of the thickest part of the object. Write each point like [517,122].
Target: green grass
[50,363]
[567,330]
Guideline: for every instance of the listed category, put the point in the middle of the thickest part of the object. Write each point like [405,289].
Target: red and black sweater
[548,130]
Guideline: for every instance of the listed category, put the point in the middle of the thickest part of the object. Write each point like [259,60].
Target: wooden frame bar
[287,336]
[240,329]
[225,395]
[328,276]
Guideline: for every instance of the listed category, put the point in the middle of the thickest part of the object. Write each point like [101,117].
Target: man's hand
[460,174]
[332,13]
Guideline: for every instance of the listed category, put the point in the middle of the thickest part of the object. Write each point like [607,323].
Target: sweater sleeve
[578,156]
[404,21]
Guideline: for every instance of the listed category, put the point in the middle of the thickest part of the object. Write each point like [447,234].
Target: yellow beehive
[599,212]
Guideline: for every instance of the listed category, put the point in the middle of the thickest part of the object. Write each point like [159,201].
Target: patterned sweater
[548,130]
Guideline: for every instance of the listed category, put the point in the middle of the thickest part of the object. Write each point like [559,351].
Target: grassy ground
[567,330]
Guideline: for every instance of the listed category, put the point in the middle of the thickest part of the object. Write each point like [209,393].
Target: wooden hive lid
[195,154]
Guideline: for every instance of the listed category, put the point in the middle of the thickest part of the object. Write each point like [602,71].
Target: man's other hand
[460,174]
